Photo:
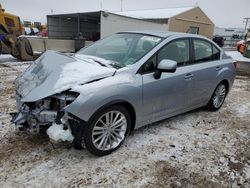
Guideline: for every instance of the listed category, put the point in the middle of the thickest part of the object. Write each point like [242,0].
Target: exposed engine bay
[38,116]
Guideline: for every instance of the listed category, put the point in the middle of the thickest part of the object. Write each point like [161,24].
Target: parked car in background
[43,33]
[247,51]
[243,47]
[120,83]
[219,40]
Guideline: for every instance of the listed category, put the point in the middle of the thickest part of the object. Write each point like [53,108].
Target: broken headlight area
[37,116]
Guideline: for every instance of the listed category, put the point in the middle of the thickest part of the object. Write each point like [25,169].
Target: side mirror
[166,65]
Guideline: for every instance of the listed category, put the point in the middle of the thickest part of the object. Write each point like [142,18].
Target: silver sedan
[98,95]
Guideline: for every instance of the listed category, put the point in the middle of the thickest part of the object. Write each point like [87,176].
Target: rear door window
[205,51]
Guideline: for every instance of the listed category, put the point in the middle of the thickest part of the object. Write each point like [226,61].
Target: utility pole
[101,4]
[246,20]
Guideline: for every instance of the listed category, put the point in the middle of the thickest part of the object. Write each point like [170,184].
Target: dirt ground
[196,149]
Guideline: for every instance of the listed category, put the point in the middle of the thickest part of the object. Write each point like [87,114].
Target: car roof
[163,34]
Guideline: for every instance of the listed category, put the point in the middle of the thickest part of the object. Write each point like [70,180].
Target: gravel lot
[196,149]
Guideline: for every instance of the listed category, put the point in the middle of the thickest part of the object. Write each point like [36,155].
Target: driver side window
[177,50]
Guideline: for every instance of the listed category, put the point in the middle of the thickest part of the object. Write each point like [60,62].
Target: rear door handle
[218,68]
[188,76]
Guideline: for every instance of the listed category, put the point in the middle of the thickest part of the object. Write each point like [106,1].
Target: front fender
[95,95]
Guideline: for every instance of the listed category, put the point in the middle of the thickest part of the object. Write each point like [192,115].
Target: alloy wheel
[109,130]
[219,96]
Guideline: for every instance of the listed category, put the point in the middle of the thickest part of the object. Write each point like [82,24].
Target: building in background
[95,25]
[183,19]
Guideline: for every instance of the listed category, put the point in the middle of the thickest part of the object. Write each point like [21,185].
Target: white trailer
[95,25]
[65,30]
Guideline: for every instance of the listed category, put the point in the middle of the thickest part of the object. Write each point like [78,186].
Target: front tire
[107,130]
[218,97]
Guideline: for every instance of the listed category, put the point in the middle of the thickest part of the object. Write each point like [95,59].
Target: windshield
[122,49]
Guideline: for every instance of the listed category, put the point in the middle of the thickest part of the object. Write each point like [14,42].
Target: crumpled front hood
[54,72]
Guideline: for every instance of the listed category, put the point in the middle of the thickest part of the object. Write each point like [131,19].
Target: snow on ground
[7,58]
[196,149]
[237,56]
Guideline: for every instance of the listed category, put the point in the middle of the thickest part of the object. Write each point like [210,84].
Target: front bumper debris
[57,133]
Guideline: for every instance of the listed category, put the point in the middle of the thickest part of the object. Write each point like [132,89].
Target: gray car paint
[151,99]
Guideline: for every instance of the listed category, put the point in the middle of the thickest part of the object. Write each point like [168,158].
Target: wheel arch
[226,82]
[123,103]
[209,105]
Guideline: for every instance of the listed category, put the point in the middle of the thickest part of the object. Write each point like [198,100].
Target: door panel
[170,93]
[203,82]
[165,96]
[205,71]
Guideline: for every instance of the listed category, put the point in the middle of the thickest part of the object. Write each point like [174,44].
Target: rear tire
[28,47]
[26,55]
[218,97]
[106,131]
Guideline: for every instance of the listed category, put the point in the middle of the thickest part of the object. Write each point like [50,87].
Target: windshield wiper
[100,63]
[113,64]
[116,65]
[92,59]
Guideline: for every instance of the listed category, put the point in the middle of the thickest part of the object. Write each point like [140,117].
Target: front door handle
[188,76]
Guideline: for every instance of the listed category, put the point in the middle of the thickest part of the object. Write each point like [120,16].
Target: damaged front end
[43,91]
[38,116]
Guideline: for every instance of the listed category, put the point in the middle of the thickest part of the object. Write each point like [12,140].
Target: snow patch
[243,110]
[247,171]
[154,13]
[78,72]
[57,133]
